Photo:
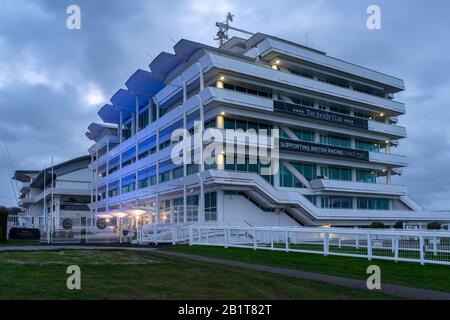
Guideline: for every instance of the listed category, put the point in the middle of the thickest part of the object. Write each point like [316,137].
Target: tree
[377,225]
[3,223]
[434,226]
[398,225]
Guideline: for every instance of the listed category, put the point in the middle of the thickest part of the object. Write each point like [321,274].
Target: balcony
[358,187]
[316,87]
[393,160]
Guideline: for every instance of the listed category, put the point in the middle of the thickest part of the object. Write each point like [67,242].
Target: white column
[185,161]
[137,114]
[220,206]
[202,162]
[202,77]
[120,126]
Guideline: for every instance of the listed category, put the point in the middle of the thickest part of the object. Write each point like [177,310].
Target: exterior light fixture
[119,214]
[222,113]
[381,114]
[222,78]
[137,212]
[277,62]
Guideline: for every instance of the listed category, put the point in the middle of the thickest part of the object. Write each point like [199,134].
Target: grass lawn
[144,275]
[407,274]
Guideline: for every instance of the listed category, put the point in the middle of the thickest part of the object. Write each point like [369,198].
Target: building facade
[338,128]
[58,193]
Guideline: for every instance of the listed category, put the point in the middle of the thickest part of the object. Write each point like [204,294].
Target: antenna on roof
[224,27]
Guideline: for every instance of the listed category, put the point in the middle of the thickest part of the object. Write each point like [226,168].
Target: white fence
[425,247]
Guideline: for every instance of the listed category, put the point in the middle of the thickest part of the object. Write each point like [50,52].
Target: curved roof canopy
[163,64]
[109,114]
[96,130]
[143,83]
[123,100]
[184,49]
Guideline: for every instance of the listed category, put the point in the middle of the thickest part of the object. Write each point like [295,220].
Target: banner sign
[307,147]
[299,110]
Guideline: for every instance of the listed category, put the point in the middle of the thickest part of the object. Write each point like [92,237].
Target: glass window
[211,206]
[367,145]
[366,176]
[336,173]
[373,204]
[329,202]
[336,141]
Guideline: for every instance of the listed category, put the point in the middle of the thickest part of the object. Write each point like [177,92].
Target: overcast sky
[54,80]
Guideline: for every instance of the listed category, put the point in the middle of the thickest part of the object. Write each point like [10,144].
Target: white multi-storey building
[338,127]
[63,195]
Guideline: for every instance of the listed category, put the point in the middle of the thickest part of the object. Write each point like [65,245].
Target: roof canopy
[143,83]
[109,114]
[163,64]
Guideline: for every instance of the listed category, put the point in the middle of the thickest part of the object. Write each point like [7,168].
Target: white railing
[425,247]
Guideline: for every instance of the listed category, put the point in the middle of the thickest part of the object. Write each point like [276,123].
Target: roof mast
[224,27]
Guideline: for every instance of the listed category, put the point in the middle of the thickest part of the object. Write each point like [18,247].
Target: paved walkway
[395,290]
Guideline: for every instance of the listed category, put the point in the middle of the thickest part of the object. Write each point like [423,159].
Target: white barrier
[425,247]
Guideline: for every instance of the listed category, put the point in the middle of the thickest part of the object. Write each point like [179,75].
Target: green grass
[431,277]
[143,275]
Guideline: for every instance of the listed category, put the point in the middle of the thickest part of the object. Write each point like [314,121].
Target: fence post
[254,238]
[227,237]
[369,246]
[174,236]
[271,238]
[397,244]
[155,235]
[287,239]
[191,236]
[326,243]
[435,246]
[422,250]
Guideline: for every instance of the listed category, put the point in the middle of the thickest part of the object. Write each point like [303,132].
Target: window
[211,206]
[113,189]
[333,80]
[339,109]
[164,211]
[178,173]
[302,135]
[367,146]
[311,199]
[143,119]
[114,165]
[366,176]
[147,147]
[178,210]
[128,183]
[164,177]
[147,177]
[102,171]
[373,204]
[253,91]
[336,141]
[128,157]
[336,202]
[234,124]
[192,208]
[288,180]
[336,173]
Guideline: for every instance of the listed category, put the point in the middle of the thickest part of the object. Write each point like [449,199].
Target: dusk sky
[54,80]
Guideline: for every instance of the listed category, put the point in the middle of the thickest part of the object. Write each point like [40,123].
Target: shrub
[398,225]
[434,226]
[3,223]
[377,225]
